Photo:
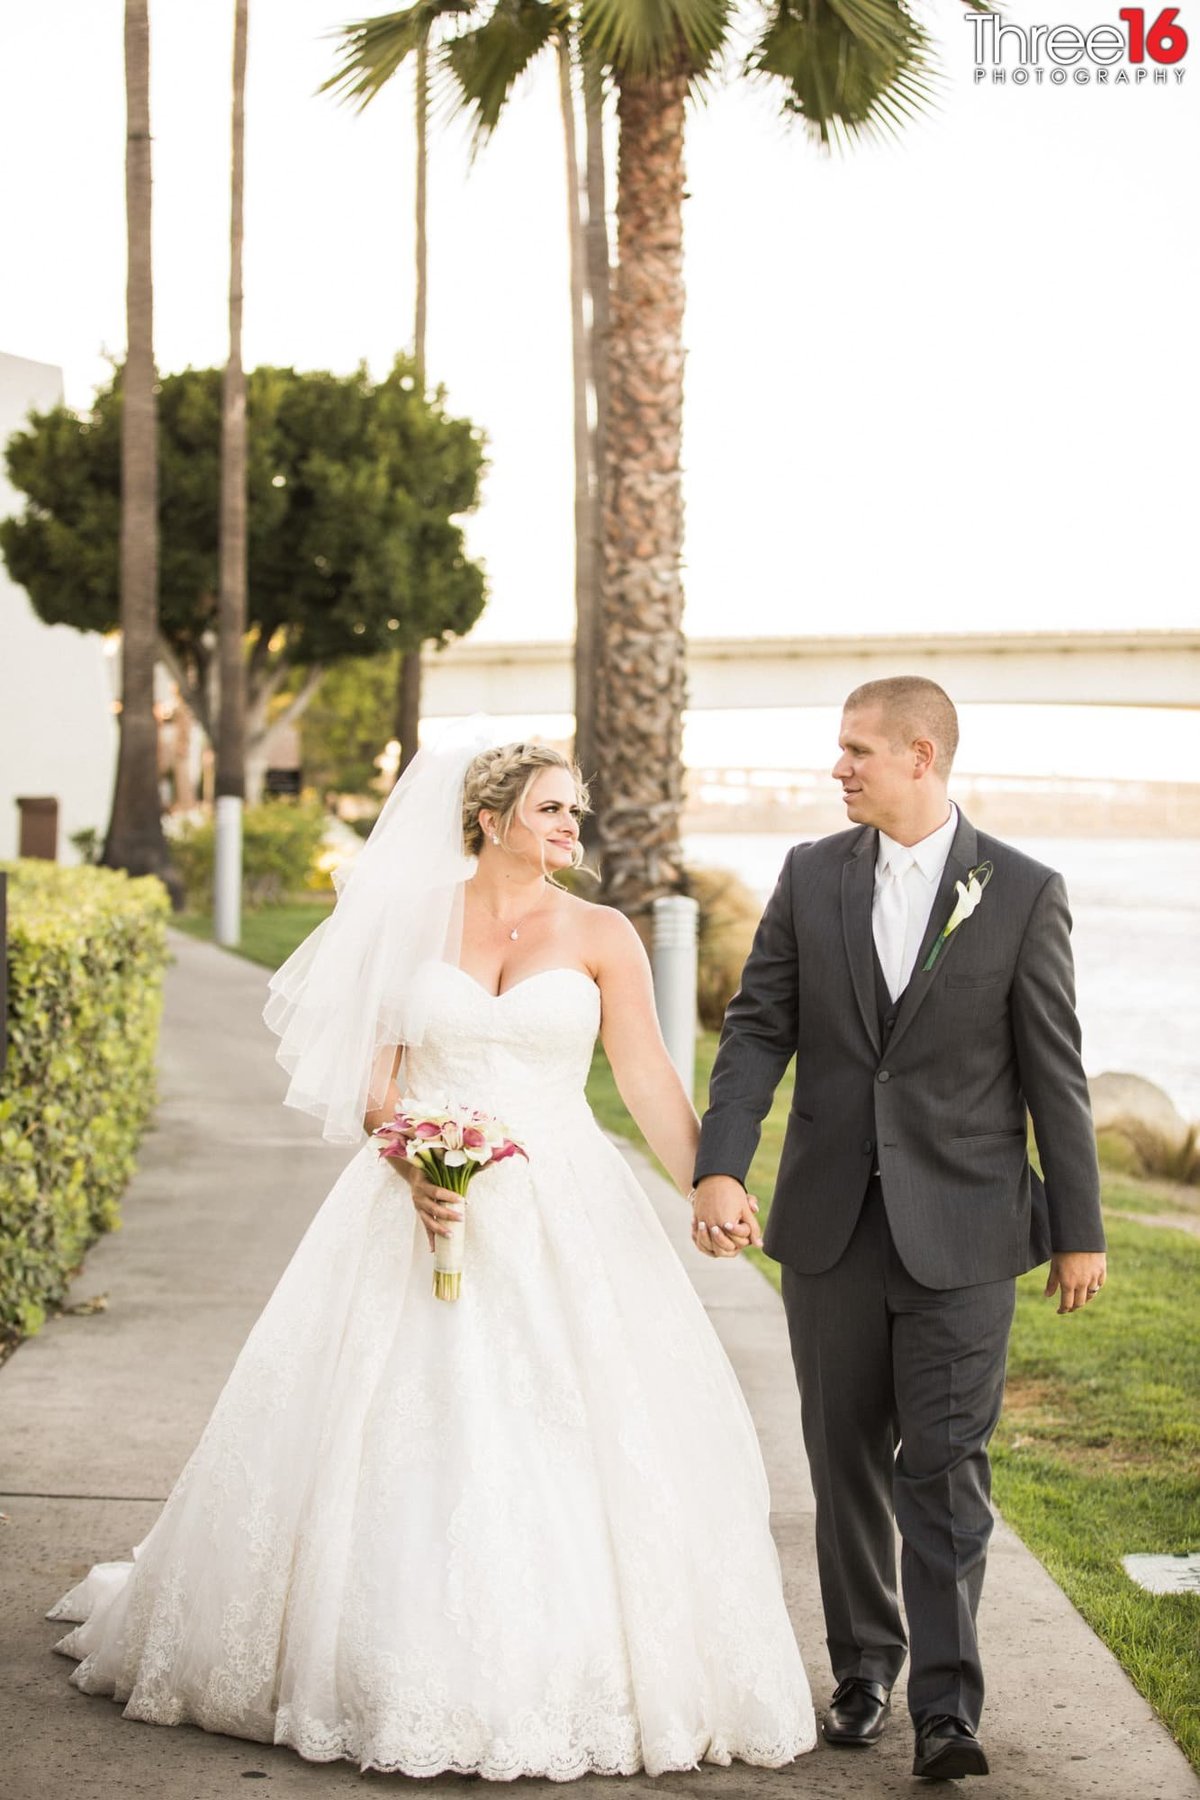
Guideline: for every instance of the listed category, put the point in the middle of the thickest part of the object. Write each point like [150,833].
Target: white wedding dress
[521,1534]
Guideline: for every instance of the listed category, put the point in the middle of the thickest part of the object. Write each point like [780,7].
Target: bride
[524,1534]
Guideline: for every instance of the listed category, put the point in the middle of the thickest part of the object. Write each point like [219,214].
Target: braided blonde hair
[499,780]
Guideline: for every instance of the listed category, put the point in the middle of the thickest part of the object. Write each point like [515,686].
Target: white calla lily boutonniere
[970,893]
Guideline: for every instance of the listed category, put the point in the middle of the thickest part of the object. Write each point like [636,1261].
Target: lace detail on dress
[472,1537]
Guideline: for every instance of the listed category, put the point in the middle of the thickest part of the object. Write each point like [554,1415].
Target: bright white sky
[940,384]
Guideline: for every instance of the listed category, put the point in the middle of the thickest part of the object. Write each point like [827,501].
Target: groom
[923,1028]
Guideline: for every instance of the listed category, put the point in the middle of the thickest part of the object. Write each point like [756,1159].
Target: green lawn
[1098,1450]
[1098,1454]
[270,935]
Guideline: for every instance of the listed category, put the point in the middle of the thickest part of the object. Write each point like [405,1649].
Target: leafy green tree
[348,725]
[355,490]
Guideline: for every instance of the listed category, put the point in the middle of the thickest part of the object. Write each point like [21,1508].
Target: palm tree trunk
[408,708]
[231,727]
[585,547]
[641,697]
[422,207]
[408,674]
[598,260]
[231,604]
[135,840]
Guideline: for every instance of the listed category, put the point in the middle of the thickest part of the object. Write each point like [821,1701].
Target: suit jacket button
[868,1146]
[883,1075]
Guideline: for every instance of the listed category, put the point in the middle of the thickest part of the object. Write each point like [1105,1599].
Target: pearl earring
[495,839]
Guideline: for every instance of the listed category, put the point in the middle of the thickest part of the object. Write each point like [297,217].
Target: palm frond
[487,60]
[373,49]
[851,68]
[649,37]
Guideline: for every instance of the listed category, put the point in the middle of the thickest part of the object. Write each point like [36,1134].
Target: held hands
[1076,1276]
[436,1206]
[723,1214]
[724,1217]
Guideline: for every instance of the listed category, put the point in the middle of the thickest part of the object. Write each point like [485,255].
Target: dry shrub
[729,913]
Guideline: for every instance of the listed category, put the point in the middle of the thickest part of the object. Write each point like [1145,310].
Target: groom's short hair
[913,707]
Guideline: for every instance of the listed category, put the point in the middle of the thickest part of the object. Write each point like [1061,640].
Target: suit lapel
[858,894]
[962,858]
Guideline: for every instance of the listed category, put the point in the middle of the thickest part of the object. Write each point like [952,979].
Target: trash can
[39,827]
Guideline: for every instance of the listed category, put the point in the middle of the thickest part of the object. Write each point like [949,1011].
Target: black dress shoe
[857,1713]
[947,1749]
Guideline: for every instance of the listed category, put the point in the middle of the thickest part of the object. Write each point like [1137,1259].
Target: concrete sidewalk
[99,1413]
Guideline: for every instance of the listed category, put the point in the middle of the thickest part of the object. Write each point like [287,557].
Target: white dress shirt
[906,882]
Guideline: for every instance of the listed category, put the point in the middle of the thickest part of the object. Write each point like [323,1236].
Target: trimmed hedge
[87,949]
[281,840]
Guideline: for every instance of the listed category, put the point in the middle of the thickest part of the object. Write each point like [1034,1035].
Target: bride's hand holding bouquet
[438,1208]
[439,1150]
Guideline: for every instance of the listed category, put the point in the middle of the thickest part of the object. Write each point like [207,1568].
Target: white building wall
[58,733]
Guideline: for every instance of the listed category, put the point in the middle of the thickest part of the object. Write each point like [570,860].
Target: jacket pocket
[982,1137]
[974,981]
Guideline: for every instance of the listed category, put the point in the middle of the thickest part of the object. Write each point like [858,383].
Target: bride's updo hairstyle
[499,780]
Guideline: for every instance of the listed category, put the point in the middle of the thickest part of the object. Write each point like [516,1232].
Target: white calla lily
[970,893]
[968,899]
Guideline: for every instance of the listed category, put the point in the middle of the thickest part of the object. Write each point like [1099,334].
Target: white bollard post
[227,871]
[674,961]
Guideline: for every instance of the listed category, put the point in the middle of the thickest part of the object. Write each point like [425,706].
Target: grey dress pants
[901,1388]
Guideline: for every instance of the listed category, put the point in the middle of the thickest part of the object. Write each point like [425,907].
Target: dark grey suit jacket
[988,1032]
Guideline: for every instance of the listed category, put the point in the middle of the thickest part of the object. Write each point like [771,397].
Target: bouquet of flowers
[452,1144]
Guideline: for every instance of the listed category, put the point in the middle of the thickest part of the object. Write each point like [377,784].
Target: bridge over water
[1101,668]
[807,802]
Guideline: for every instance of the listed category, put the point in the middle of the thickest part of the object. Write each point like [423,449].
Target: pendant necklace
[513,931]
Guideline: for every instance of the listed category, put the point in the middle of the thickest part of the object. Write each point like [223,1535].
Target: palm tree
[847,68]
[372,51]
[486,67]
[586,546]
[134,839]
[231,724]
[640,702]
[486,63]
[598,253]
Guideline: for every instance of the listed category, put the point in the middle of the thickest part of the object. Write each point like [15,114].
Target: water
[1136,910]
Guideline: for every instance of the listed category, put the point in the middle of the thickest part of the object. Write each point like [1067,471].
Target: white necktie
[890,920]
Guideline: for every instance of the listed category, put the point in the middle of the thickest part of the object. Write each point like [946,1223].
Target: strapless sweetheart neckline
[525,980]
